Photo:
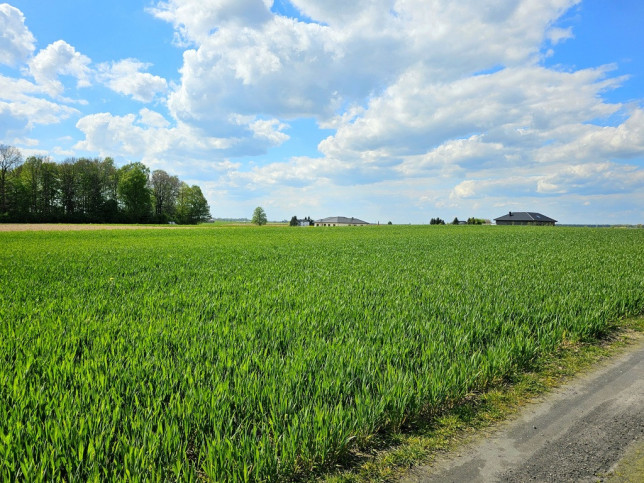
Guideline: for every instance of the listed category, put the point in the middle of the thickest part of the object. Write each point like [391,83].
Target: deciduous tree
[192,207]
[10,158]
[259,216]
[165,189]
[133,192]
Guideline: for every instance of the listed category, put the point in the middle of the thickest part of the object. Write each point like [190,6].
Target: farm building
[340,221]
[524,218]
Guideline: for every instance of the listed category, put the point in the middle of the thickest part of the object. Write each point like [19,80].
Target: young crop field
[245,353]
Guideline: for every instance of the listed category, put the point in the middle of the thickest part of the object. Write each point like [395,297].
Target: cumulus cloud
[282,69]
[453,95]
[523,105]
[594,143]
[23,103]
[127,77]
[246,60]
[151,137]
[152,118]
[511,187]
[556,35]
[22,107]
[593,179]
[269,130]
[59,58]
[396,80]
[196,20]
[587,179]
[442,103]
[455,155]
[17,43]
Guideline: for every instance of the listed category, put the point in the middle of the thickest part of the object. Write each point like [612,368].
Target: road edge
[482,413]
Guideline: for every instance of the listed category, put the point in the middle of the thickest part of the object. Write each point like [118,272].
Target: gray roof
[524,216]
[342,219]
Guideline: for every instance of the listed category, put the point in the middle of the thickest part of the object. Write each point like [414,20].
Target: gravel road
[577,433]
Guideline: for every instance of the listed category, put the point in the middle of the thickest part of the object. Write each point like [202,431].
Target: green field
[245,353]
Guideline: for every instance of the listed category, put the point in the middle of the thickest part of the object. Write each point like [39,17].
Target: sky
[383,110]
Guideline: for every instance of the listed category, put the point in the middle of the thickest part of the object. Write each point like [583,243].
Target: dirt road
[578,433]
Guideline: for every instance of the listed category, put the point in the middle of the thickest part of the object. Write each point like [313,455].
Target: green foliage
[294,221]
[133,192]
[192,207]
[235,354]
[165,190]
[259,216]
[10,158]
[91,190]
[437,221]
[475,221]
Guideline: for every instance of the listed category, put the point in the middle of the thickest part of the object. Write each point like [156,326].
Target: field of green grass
[246,353]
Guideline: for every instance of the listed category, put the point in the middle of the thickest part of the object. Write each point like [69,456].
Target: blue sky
[386,110]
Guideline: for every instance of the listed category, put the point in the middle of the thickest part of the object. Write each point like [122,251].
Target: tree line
[307,221]
[81,190]
[472,221]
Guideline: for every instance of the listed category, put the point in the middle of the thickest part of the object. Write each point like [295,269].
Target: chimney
[510,213]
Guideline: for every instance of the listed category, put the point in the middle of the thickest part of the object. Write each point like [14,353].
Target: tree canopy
[259,216]
[10,157]
[82,190]
[192,206]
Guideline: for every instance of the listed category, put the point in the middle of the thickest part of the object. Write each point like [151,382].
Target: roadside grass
[630,468]
[422,440]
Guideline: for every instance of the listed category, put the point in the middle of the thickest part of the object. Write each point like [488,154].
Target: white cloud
[196,20]
[398,81]
[149,136]
[269,130]
[126,77]
[588,179]
[593,179]
[247,61]
[512,187]
[285,69]
[557,35]
[59,58]
[522,105]
[455,155]
[433,105]
[588,142]
[152,118]
[21,107]
[119,132]
[16,41]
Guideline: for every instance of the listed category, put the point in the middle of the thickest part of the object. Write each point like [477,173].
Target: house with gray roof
[524,218]
[340,221]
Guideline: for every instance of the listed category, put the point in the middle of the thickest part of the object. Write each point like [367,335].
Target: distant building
[524,218]
[340,221]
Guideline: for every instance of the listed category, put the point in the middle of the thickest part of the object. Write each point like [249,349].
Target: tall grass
[237,354]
